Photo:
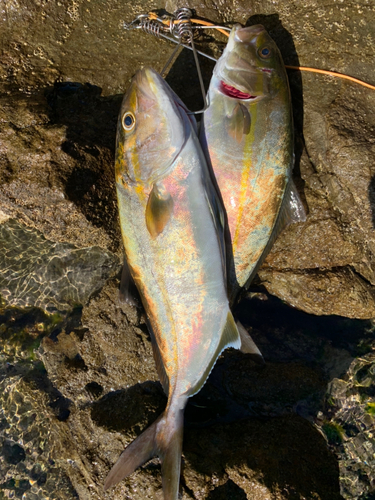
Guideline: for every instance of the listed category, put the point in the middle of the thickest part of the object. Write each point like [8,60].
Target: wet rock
[112,343]
[246,432]
[28,436]
[302,426]
[349,426]
[334,291]
[13,453]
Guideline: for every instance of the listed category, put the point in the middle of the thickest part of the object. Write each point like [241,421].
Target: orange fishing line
[332,73]
[207,23]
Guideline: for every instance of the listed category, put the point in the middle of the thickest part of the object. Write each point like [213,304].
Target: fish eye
[128,121]
[264,52]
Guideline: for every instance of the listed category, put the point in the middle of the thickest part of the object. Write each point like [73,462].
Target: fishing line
[208,25]
[332,73]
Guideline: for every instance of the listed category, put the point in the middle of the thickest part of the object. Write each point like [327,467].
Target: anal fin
[230,337]
[158,360]
[248,346]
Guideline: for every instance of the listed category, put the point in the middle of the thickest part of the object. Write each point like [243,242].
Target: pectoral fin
[246,119]
[159,209]
[238,122]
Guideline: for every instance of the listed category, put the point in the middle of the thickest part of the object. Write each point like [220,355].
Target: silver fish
[247,134]
[170,223]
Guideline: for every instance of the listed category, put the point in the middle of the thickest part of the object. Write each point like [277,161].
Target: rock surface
[77,385]
[63,152]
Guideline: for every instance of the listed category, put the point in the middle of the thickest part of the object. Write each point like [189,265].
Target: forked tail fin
[164,439]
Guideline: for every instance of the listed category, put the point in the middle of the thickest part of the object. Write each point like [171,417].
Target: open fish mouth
[230,91]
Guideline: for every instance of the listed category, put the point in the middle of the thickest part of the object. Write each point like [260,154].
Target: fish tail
[170,446]
[164,439]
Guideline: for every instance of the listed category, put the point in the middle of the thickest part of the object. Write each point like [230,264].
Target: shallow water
[52,276]
[319,370]
[78,383]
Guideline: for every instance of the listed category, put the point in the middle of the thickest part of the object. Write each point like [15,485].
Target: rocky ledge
[77,376]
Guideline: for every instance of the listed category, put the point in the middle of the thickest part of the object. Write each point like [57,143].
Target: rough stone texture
[352,425]
[332,291]
[76,40]
[56,175]
[31,411]
[300,427]
[63,152]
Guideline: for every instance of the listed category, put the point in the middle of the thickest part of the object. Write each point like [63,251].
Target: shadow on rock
[227,490]
[237,389]
[90,121]
[90,118]
[371,197]
[270,451]
[183,79]
[134,408]
[284,333]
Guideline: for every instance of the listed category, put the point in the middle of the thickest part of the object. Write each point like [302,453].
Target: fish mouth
[234,93]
